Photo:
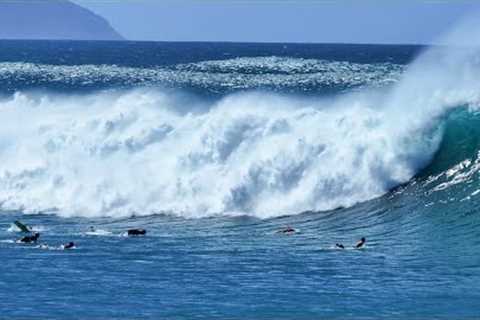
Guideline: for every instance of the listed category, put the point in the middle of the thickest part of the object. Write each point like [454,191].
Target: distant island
[52,19]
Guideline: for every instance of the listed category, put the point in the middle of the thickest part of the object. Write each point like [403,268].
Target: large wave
[149,151]
[141,152]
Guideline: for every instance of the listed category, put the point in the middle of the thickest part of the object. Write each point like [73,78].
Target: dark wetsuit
[357,246]
[287,230]
[360,243]
[69,245]
[30,239]
[137,232]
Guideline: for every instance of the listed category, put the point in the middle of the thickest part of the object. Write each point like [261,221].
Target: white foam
[143,152]
[54,248]
[98,232]
[14,228]
[463,172]
[265,155]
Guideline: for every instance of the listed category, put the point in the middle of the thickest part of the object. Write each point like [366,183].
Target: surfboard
[22,227]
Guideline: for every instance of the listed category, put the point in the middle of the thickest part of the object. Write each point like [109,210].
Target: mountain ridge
[52,20]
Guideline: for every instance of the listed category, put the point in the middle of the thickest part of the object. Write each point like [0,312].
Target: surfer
[136,232]
[357,246]
[30,239]
[287,230]
[360,243]
[69,245]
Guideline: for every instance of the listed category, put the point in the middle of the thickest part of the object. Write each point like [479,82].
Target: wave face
[150,150]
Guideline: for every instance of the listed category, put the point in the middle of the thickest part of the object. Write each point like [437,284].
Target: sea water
[215,147]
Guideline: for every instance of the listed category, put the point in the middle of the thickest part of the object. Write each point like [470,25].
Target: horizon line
[229,41]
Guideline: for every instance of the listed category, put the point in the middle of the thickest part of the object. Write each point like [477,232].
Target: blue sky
[346,21]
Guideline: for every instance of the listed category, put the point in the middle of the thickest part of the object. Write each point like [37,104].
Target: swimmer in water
[69,245]
[357,246]
[287,230]
[360,243]
[30,239]
[136,232]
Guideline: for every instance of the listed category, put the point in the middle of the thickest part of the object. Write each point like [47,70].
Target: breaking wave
[140,152]
[148,150]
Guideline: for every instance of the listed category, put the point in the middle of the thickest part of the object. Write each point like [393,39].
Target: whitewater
[214,148]
[150,151]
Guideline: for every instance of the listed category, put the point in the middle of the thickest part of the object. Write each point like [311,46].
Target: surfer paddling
[358,245]
[136,232]
[287,230]
[68,246]
[33,237]
[30,239]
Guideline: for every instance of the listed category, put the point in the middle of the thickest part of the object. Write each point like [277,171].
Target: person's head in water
[360,243]
[69,245]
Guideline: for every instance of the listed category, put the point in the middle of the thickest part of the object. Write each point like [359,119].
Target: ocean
[215,147]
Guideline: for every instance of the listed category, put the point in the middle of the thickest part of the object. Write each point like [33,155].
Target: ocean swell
[216,76]
[149,151]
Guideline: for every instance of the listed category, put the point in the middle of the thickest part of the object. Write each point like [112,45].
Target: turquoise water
[213,148]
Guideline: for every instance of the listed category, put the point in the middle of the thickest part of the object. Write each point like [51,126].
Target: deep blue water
[213,148]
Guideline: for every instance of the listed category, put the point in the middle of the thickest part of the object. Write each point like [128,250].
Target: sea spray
[150,150]
[259,154]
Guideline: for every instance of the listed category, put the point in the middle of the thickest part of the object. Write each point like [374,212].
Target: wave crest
[138,153]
